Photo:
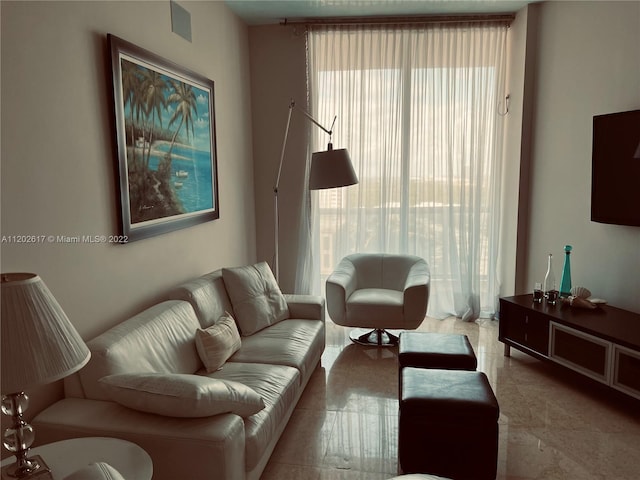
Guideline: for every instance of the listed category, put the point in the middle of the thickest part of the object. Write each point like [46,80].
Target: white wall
[58,152]
[278,75]
[588,63]
[513,151]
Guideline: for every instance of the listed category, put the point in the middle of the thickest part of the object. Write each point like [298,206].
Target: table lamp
[39,346]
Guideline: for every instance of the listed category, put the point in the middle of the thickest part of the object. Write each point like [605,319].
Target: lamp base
[40,470]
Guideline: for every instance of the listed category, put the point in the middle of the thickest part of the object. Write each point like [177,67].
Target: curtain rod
[410,19]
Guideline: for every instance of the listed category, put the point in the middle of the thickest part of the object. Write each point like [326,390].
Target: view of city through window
[406,198]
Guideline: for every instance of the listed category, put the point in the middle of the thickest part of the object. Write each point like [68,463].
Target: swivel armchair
[376,292]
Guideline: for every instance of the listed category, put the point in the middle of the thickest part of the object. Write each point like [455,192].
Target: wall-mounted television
[615,168]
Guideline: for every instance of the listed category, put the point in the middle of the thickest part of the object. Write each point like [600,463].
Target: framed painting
[165,133]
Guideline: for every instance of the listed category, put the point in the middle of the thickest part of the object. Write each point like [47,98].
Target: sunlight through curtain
[418,109]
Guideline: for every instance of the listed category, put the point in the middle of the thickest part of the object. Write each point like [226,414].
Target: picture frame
[166,142]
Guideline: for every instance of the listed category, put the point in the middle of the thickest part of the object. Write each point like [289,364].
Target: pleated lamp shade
[331,169]
[39,343]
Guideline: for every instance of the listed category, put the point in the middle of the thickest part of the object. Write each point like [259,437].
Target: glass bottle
[549,287]
[565,282]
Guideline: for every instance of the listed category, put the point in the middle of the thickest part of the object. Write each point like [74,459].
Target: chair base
[378,337]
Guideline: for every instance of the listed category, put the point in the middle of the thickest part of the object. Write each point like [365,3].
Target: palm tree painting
[166,143]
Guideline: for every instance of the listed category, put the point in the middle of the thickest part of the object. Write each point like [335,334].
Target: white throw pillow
[256,297]
[181,395]
[218,342]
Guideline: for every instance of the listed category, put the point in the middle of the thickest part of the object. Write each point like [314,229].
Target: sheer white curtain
[419,110]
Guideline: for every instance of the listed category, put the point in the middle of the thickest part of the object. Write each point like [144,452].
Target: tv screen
[615,168]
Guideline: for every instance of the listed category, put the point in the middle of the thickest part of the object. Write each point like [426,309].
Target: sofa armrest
[305,306]
[217,442]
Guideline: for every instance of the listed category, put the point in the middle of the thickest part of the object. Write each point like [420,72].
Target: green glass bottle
[565,282]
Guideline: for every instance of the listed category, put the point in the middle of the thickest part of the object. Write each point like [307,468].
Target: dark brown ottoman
[436,350]
[446,351]
[448,424]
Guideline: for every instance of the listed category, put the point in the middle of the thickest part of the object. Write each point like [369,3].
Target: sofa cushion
[175,395]
[256,297]
[279,386]
[207,295]
[218,342]
[294,343]
[159,339]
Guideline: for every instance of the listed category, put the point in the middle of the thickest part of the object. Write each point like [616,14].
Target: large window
[418,110]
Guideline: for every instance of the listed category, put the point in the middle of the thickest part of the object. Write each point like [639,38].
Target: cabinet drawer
[580,351]
[525,327]
[626,370]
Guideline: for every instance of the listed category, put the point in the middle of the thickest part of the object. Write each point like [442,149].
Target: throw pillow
[181,395]
[218,342]
[256,297]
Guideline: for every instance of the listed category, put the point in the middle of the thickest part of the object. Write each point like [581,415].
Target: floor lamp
[329,169]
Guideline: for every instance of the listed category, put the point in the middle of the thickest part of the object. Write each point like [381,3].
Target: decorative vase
[549,287]
[565,282]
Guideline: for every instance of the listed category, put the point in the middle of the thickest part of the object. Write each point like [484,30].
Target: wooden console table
[603,343]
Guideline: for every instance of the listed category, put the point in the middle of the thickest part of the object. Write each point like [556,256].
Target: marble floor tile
[356,445]
[306,438]
[554,425]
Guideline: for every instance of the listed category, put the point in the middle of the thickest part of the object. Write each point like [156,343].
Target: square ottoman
[436,350]
[448,424]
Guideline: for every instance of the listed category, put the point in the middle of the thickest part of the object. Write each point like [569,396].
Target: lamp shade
[39,343]
[331,169]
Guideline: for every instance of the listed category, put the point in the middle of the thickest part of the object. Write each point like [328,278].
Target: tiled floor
[553,424]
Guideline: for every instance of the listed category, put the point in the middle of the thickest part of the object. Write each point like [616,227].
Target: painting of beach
[166,143]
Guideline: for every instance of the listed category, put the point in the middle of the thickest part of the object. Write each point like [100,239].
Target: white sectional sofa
[275,363]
